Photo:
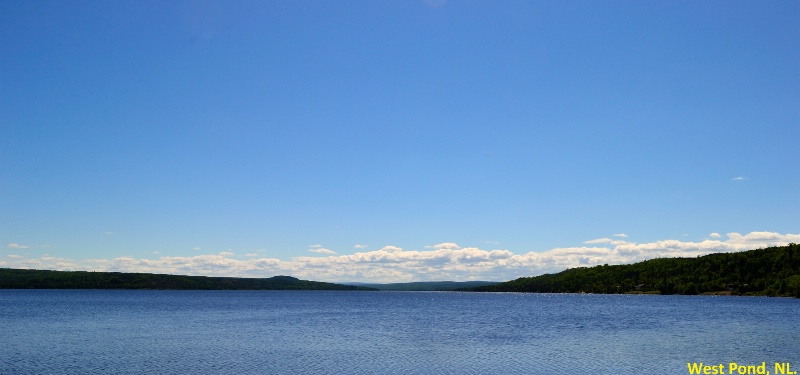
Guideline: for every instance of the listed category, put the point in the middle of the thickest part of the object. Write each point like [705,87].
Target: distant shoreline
[46,279]
[773,271]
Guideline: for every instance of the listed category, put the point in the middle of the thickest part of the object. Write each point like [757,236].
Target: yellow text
[699,368]
[735,368]
[784,368]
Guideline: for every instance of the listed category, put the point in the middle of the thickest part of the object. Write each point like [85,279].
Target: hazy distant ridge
[426,286]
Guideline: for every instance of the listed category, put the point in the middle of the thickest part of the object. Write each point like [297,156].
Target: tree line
[773,271]
[44,279]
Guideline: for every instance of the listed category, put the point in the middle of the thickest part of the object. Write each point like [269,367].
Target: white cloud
[390,248]
[17,246]
[195,248]
[360,246]
[444,245]
[393,264]
[599,240]
[322,250]
[15,256]
[315,245]
[739,178]
[251,255]
[622,235]
[714,235]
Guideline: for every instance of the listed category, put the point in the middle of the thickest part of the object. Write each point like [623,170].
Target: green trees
[793,286]
[41,279]
[771,271]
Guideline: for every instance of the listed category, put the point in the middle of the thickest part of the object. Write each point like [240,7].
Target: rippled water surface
[332,332]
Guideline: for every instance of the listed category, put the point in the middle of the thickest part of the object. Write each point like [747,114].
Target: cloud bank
[444,261]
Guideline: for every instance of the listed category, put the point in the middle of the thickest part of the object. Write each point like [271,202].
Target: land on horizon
[773,271]
[422,286]
[46,279]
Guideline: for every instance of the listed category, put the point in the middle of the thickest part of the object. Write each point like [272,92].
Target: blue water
[333,332]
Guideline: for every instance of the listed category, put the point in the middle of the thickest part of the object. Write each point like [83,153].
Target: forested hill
[39,279]
[773,271]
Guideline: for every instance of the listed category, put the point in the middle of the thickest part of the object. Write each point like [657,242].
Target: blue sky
[328,139]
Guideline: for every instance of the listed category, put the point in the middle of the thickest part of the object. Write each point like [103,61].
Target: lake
[342,332]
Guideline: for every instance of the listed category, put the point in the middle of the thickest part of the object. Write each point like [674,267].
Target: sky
[394,141]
